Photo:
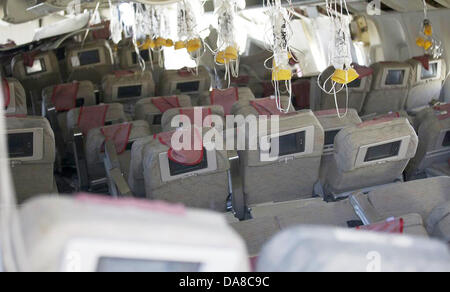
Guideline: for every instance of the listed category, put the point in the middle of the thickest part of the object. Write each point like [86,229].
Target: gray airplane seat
[324,249]
[426,82]
[438,223]
[196,178]
[59,99]
[370,154]
[202,116]
[35,71]
[185,81]
[123,136]
[283,163]
[357,90]
[31,147]
[262,106]
[227,97]
[91,61]
[127,87]
[151,109]
[394,115]
[90,117]
[80,121]
[15,98]
[390,87]
[433,152]
[332,124]
[87,233]
[428,198]
[129,59]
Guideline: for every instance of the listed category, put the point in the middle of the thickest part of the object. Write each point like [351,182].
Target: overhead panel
[406,5]
[445,3]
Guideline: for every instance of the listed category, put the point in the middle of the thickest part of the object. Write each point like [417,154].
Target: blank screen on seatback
[292,143]
[188,86]
[129,91]
[383,151]
[178,168]
[432,73]
[145,54]
[89,57]
[395,77]
[329,137]
[142,265]
[446,142]
[355,83]
[20,145]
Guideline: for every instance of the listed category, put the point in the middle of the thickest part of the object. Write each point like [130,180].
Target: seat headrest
[226,98]
[374,142]
[321,249]
[193,115]
[30,139]
[329,119]
[426,69]
[391,75]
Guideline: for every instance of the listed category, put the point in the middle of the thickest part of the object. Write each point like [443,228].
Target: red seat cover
[191,112]
[64,96]
[363,71]
[166,103]
[301,92]
[188,157]
[226,98]
[92,117]
[391,226]
[425,60]
[122,73]
[6,92]
[266,106]
[119,134]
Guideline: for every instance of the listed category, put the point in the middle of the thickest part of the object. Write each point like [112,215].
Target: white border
[75,54]
[331,146]
[38,143]
[401,153]
[173,86]
[405,79]
[265,156]
[115,97]
[165,170]
[438,73]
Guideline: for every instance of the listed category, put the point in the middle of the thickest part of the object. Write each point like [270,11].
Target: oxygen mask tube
[339,54]
[426,39]
[188,36]
[279,45]
[227,53]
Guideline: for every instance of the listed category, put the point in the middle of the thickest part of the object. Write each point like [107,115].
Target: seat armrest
[118,186]
[80,159]
[50,112]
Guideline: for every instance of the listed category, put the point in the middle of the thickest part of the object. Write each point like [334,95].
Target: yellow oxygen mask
[160,42]
[342,76]
[194,45]
[179,45]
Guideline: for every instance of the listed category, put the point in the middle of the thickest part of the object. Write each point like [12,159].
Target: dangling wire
[339,53]
[227,52]
[277,41]
[427,40]
[187,29]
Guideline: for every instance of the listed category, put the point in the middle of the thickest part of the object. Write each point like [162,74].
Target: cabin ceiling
[20,11]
